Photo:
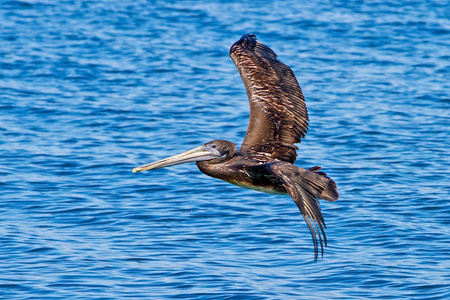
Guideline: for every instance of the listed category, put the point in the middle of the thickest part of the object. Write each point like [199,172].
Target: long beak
[196,154]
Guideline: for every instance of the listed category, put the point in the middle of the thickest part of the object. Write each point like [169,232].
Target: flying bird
[265,160]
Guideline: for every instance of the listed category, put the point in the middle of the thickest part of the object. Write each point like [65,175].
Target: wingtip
[247,41]
[249,36]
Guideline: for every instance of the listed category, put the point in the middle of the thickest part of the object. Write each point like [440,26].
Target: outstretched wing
[305,187]
[278,114]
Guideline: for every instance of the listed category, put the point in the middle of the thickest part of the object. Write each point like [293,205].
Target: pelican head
[215,151]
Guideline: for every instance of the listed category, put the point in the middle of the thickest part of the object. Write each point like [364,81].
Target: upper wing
[305,187]
[278,114]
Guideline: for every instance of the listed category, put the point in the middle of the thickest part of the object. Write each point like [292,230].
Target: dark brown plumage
[265,161]
[278,114]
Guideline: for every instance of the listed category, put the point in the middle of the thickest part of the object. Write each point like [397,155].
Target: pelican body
[265,160]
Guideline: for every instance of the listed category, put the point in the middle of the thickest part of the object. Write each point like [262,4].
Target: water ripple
[90,90]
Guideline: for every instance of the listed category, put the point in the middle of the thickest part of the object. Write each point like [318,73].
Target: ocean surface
[91,89]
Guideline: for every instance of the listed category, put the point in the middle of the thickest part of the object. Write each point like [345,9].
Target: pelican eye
[214,146]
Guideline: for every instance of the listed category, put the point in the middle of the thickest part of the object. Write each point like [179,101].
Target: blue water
[91,89]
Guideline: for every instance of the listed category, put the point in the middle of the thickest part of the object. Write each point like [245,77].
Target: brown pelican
[265,161]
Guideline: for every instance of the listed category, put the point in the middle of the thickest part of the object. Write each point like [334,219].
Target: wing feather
[278,113]
[306,187]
